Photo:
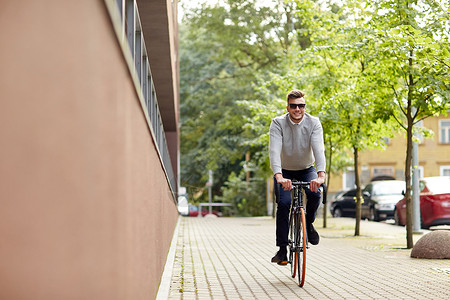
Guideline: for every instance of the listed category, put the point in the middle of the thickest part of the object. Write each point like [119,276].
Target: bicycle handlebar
[302,183]
[306,184]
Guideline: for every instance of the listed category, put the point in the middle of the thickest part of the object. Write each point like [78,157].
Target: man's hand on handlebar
[285,183]
[313,185]
[316,183]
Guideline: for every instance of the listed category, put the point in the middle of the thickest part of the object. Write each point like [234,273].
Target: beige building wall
[432,156]
[86,209]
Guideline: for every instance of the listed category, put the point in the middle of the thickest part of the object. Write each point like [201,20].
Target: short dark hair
[294,94]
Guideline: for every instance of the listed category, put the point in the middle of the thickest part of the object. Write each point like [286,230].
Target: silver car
[380,198]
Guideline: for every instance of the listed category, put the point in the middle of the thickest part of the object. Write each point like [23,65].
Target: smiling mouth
[296,116]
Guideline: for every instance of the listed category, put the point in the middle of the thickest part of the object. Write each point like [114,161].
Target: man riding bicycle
[295,143]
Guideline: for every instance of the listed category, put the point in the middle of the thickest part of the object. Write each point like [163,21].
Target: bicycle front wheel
[302,242]
[292,243]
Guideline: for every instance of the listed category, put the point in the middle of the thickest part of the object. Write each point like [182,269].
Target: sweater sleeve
[318,147]
[275,144]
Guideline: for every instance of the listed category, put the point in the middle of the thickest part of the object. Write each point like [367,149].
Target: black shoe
[281,257]
[313,236]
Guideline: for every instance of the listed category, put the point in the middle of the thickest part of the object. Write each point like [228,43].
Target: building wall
[86,209]
[432,155]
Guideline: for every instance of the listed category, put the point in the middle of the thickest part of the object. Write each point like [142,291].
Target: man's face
[296,112]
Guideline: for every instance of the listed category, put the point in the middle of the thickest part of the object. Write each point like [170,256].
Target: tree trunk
[325,206]
[408,162]
[409,211]
[358,191]
[247,173]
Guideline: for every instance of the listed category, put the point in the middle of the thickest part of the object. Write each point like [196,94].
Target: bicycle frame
[297,204]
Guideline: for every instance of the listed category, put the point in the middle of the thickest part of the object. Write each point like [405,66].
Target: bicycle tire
[296,244]
[301,254]
[292,252]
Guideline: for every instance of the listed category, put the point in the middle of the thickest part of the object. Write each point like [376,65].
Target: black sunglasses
[294,106]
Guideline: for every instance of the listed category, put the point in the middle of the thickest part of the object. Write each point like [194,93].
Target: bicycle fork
[297,242]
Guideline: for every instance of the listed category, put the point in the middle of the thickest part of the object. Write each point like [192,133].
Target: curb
[164,286]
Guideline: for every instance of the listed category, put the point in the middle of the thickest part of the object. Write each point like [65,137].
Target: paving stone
[229,258]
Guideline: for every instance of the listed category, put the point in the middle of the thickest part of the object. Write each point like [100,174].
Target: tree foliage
[364,65]
[223,51]
[411,41]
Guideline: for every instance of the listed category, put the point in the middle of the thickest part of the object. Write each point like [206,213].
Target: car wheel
[373,214]
[397,218]
[337,212]
[423,226]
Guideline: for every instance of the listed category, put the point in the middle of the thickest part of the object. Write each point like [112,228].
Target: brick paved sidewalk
[229,258]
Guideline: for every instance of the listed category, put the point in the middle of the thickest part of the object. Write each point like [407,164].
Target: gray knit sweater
[296,147]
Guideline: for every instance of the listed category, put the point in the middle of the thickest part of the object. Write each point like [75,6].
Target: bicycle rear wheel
[302,245]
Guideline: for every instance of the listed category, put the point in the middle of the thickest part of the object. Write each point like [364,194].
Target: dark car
[343,205]
[380,198]
[379,202]
[434,203]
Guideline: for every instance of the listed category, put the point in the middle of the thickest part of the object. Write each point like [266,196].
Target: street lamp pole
[415,186]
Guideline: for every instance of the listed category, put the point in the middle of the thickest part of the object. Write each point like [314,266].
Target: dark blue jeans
[284,203]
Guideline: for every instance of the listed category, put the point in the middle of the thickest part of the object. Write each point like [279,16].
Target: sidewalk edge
[164,286]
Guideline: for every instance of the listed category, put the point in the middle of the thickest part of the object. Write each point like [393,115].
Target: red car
[193,211]
[434,203]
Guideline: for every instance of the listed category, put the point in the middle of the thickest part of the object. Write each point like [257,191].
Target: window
[382,171]
[444,131]
[383,188]
[437,185]
[351,193]
[348,179]
[421,186]
[368,189]
[120,7]
[445,171]
[419,170]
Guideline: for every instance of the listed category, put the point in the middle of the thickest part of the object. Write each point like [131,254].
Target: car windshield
[438,185]
[388,188]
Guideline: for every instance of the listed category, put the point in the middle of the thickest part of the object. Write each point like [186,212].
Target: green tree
[393,51]
[411,40]
[333,72]
[223,49]
[251,33]
[310,69]
[207,91]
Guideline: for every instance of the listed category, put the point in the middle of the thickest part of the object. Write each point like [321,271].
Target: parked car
[382,177]
[338,195]
[434,203]
[183,206]
[343,204]
[193,211]
[380,198]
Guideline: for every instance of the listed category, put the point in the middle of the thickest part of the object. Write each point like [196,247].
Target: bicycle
[298,239]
